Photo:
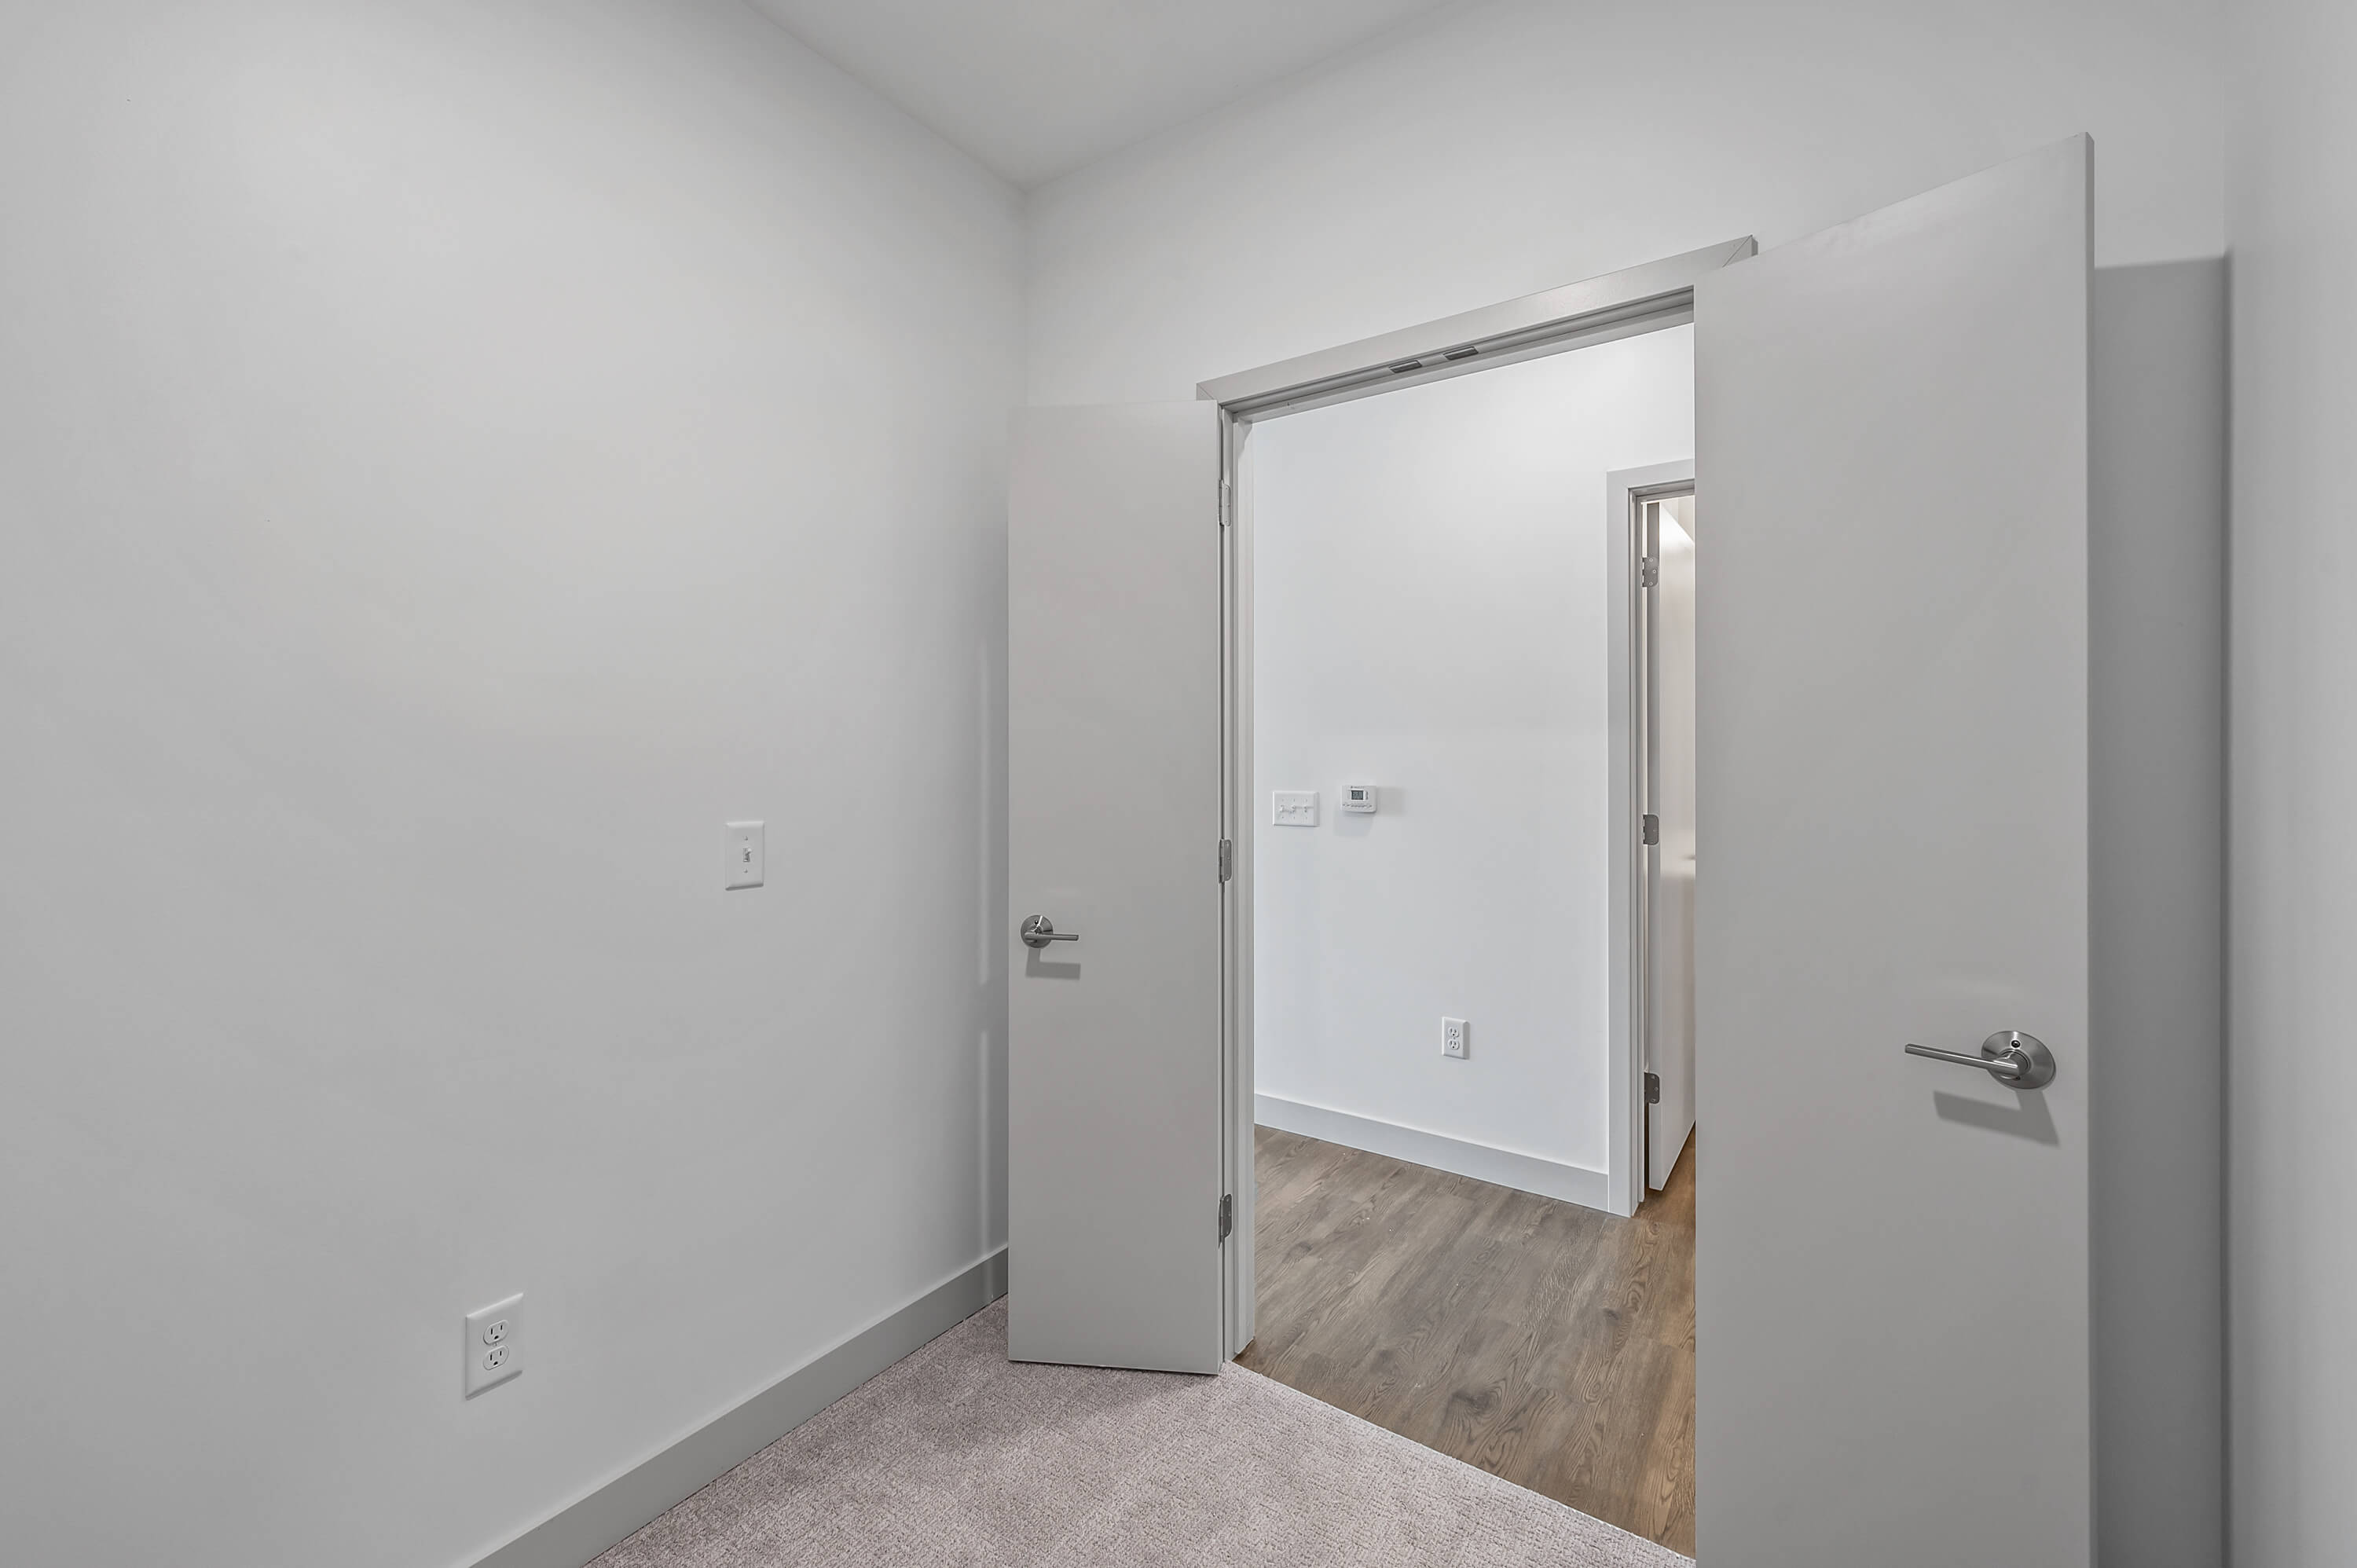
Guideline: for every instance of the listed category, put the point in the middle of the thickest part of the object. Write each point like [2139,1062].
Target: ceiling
[1037,88]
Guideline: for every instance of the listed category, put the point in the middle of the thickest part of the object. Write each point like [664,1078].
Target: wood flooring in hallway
[1546,1343]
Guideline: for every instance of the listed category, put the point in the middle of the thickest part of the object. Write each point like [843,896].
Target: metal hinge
[1649,572]
[1653,1089]
[1227,502]
[1653,828]
[1227,1214]
[1227,858]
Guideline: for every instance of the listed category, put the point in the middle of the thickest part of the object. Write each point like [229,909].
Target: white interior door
[1892,1279]
[1113,771]
[1670,778]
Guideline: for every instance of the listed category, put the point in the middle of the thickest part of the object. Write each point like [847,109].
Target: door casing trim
[1623,304]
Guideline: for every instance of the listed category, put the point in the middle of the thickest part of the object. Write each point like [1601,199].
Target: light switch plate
[494,1344]
[743,859]
[1292,808]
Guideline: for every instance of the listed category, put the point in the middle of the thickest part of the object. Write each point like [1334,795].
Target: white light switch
[1292,808]
[743,859]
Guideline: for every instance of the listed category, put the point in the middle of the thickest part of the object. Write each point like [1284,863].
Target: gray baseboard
[588,1526]
[1482,1162]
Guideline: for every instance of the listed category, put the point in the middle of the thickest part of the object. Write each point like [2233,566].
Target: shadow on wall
[2157,668]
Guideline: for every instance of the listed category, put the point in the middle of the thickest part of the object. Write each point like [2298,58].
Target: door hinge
[1652,828]
[1227,503]
[1227,859]
[1653,1089]
[1227,1214]
[1649,572]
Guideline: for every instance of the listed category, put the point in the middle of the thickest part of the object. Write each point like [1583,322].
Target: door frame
[1596,310]
[1629,925]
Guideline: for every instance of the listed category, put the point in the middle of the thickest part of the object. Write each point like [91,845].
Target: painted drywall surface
[1524,144]
[2292,1076]
[453,457]
[2156,868]
[1037,88]
[1430,599]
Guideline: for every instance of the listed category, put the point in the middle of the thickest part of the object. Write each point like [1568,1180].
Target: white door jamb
[1597,310]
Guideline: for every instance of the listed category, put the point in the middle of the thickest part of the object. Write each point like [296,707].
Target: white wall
[453,456]
[1429,604]
[2292,1085]
[1529,142]
[1523,144]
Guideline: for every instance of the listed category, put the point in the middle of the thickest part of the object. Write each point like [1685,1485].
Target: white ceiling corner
[1037,88]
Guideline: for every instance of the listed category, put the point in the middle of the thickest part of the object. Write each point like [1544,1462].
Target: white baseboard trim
[607,1513]
[1527,1172]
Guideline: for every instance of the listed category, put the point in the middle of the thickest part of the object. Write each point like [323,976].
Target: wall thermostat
[1358,797]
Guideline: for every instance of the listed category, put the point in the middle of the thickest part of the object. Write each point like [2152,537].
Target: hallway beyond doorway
[1546,1343]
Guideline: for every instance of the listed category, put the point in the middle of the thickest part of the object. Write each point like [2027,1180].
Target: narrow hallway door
[1670,777]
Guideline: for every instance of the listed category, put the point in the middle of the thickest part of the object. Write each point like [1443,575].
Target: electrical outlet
[494,1349]
[1452,1037]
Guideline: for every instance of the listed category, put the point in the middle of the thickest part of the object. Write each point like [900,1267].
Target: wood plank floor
[1546,1343]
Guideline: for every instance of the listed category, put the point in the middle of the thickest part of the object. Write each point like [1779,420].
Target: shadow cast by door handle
[2028,1117]
[1038,965]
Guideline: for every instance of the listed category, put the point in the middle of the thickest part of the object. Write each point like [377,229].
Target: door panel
[1113,760]
[1670,774]
[1892,1284]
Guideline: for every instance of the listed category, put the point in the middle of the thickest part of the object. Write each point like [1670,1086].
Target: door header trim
[1595,310]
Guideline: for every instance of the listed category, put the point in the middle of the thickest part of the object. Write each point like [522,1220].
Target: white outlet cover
[1456,1037]
[1292,808]
[742,860]
[494,1347]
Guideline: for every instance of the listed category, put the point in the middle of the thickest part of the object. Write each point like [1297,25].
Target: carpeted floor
[956,1455]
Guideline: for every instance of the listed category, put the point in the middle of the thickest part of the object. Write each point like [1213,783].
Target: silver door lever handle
[2013,1059]
[1039,931]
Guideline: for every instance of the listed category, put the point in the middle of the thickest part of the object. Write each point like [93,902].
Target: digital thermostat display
[1358,797]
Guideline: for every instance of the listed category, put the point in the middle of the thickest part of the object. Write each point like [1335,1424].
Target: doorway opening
[1894,776]
[1468,609]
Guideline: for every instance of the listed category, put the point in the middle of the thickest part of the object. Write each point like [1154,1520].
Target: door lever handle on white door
[1039,931]
[2013,1059]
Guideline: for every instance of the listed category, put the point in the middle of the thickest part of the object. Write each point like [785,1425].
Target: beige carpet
[955,1455]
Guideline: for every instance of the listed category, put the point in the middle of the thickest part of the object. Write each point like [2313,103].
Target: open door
[1670,869]
[1892,1274]
[1115,883]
